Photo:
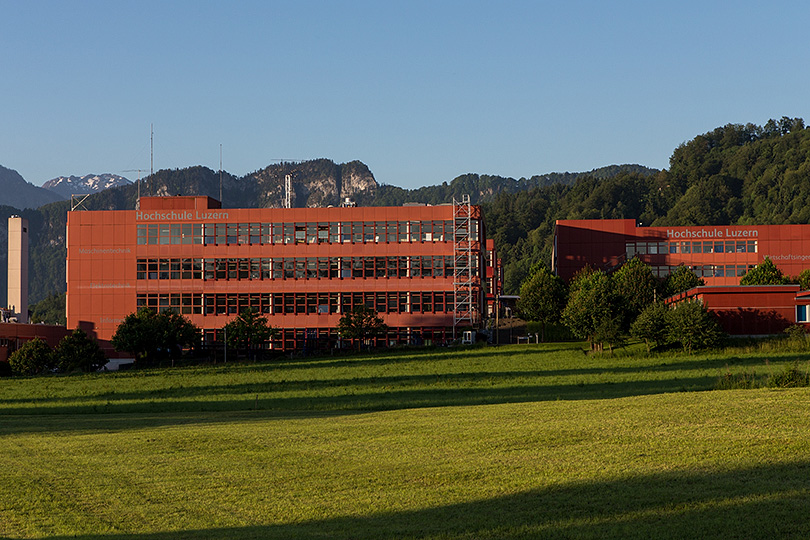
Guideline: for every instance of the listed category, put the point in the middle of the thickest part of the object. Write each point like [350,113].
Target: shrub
[32,358]
[651,325]
[796,335]
[693,327]
[790,377]
[738,381]
[78,351]
[153,337]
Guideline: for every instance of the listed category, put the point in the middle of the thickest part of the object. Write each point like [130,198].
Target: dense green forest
[735,174]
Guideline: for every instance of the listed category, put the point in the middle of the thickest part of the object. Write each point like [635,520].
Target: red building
[14,335]
[420,267]
[494,277]
[752,310]
[720,254]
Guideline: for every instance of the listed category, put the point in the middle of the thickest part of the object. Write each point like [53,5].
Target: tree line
[161,337]
[606,308]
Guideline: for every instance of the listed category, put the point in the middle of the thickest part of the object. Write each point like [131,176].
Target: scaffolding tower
[465,281]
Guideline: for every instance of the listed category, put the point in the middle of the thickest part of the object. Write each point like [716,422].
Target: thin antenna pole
[151,154]
[220,173]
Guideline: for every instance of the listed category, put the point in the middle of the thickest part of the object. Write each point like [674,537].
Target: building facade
[422,268]
[720,254]
[755,310]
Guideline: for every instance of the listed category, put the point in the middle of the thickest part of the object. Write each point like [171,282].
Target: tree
[609,330]
[651,325]
[248,331]
[153,336]
[50,310]
[542,297]
[78,351]
[691,325]
[634,286]
[590,302]
[765,273]
[682,279]
[360,324]
[804,279]
[32,358]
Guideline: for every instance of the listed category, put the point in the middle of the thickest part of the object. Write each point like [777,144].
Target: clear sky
[419,91]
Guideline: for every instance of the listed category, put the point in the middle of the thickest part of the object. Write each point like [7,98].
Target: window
[255,233]
[174,265]
[164,269]
[802,314]
[630,250]
[300,233]
[416,231]
[141,232]
[357,233]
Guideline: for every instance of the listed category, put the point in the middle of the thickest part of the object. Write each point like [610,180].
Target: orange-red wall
[102,251]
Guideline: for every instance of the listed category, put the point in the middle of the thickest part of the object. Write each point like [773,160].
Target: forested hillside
[483,188]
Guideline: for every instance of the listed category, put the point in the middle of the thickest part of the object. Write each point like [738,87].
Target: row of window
[306,233]
[324,338]
[708,270]
[716,246]
[302,268]
[297,303]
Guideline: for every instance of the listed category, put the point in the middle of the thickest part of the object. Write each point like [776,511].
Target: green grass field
[539,441]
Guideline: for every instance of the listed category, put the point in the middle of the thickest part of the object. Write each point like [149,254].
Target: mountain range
[21,194]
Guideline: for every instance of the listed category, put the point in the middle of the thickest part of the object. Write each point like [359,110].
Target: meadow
[530,441]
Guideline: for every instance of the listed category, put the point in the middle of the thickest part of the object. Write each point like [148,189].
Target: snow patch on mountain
[80,185]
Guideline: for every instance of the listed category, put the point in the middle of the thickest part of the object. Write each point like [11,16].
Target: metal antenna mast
[138,200]
[151,154]
[220,173]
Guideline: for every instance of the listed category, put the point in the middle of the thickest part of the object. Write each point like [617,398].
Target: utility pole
[220,173]
[151,155]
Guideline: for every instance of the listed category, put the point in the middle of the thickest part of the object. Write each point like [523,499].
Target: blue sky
[419,91]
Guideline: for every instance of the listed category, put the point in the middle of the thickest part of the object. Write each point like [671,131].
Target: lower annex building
[422,268]
[718,254]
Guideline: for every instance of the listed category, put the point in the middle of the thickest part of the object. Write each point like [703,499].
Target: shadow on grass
[161,413]
[758,502]
[433,390]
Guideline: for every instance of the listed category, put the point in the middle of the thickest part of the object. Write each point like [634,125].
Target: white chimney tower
[18,267]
